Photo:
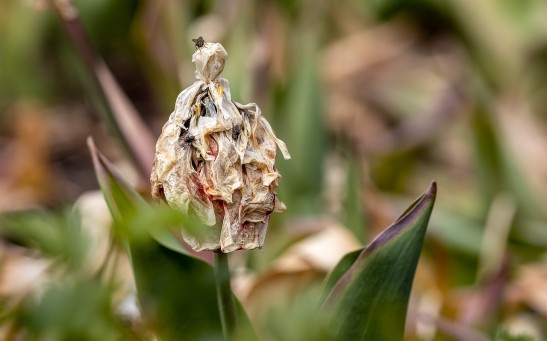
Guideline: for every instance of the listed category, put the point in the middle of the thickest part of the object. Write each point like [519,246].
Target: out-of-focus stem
[131,130]
[225,297]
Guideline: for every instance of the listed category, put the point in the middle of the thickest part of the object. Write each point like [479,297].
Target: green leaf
[178,296]
[176,293]
[134,218]
[57,236]
[296,319]
[123,201]
[339,270]
[369,302]
[79,309]
[176,290]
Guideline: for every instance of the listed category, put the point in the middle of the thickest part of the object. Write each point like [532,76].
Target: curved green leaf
[176,290]
[339,270]
[134,218]
[369,302]
[176,293]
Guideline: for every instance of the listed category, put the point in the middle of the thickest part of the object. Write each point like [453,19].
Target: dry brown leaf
[362,50]
[26,176]
[21,274]
[530,287]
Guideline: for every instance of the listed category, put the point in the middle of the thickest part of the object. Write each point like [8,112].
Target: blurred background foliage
[374,100]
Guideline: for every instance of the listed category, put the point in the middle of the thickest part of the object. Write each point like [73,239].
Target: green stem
[225,297]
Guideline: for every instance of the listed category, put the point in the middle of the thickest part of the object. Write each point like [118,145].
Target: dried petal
[217,157]
[209,61]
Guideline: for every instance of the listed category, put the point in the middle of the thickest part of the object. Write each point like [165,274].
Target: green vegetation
[374,99]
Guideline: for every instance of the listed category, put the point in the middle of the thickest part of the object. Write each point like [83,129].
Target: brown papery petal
[216,158]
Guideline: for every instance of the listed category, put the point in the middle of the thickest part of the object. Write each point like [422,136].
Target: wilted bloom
[216,157]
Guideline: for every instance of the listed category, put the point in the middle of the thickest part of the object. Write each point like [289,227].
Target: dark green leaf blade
[370,300]
[339,270]
[176,293]
[133,217]
[176,290]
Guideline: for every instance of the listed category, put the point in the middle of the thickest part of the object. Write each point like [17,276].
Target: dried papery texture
[216,158]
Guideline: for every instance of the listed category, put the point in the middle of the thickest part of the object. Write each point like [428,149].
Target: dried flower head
[217,157]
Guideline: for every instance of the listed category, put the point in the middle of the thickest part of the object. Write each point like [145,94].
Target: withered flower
[217,157]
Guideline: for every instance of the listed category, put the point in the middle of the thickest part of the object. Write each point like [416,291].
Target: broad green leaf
[370,300]
[133,217]
[176,290]
[176,293]
[339,270]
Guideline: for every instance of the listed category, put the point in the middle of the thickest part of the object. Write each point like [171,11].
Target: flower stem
[224,295]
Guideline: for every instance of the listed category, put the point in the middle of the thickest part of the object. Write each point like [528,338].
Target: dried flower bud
[217,157]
